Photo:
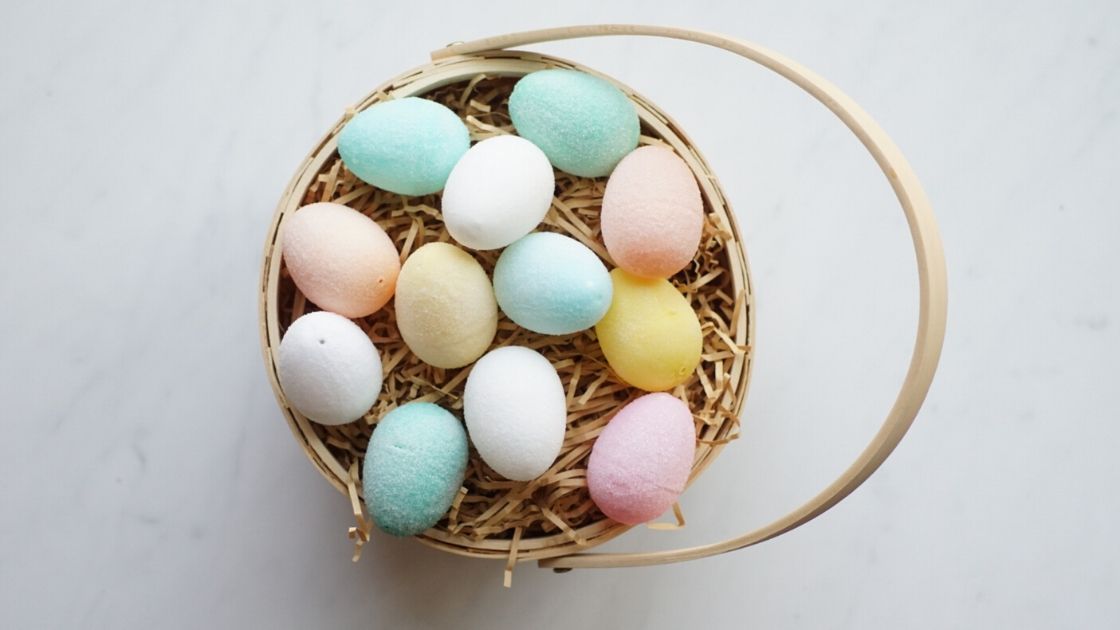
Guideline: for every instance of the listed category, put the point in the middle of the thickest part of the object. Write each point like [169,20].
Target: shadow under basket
[552,518]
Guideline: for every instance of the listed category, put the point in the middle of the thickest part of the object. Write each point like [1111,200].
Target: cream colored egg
[446,311]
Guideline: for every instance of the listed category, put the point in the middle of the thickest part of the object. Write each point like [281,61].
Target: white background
[148,479]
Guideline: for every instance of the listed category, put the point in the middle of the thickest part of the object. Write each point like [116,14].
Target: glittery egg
[446,312]
[407,146]
[650,336]
[552,284]
[652,215]
[583,123]
[340,259]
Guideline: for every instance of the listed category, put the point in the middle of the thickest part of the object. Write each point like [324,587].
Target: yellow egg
[446,310]
[650,336]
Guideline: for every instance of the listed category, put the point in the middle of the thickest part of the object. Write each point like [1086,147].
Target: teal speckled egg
[552,284]
[584,124]
[407,146]
[414,466]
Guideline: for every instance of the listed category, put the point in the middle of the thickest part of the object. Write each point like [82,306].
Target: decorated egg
[340,259]
[552,284]
[652,214]
[641,461]
[414,466]
[583,123]
[328,368]
[445,306]
[650,335]
[498,192]
[407,146]
[516,412]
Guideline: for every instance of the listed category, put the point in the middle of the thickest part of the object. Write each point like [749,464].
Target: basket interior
[554,513]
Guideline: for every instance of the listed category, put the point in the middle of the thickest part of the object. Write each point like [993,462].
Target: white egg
[328,368]
[516,412]
[498,192]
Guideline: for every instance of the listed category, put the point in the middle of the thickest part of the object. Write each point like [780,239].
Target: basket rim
[420,80]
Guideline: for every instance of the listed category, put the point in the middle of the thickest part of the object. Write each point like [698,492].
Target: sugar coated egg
[407,146]
[413,468]
[497,193]
[552,284]
[340,259]
[583,123]
[445,306]
[328,368]
[650,335]
[641,461]
[516,412]
[652,214]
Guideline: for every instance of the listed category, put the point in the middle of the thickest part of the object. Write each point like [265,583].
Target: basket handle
[927,247]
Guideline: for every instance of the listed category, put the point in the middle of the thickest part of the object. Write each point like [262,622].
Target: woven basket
[552,519]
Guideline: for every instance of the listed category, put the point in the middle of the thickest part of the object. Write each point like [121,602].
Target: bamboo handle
[927,247]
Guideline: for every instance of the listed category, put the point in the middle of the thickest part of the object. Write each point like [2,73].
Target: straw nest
[553,514]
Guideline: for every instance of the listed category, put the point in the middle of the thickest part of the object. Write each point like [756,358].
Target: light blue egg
[552,284]
[584,124]
[407,146]
[414,466]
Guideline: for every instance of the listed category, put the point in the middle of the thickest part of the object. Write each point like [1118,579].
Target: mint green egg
[407,146]
[584,124]
[414,466]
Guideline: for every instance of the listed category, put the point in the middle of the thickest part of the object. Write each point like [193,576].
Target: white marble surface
[149,481]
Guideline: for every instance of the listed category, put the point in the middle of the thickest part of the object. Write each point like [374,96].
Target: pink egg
[340,259]
[641,461]
[652,214]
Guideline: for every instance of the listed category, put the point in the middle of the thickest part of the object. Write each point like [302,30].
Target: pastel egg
[641,461]
[445,305]
[552,284]
[328,368]
[583,123]
[516,412]
[650,336]
[652,215]
[414,466]
[498,192]
[340,259]
[407,146]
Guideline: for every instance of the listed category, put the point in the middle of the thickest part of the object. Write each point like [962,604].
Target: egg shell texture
[407,146]
[583,123]
[446,312]
[652,216]
[552,284]
[650,336]
[516,412]
[414,466]
[498,192]
[340,259]
[328,368]
[641,461]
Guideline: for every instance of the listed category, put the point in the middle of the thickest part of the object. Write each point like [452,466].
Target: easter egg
[552,284]
[652,213]
[641,461]
[413,468]
[340,259]
[650,335]
[516,412]
[328,368]
[498,192]
[583,123]
[407,146]
[445,306]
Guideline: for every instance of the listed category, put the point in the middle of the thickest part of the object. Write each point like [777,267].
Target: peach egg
[652,214]
[340,259]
